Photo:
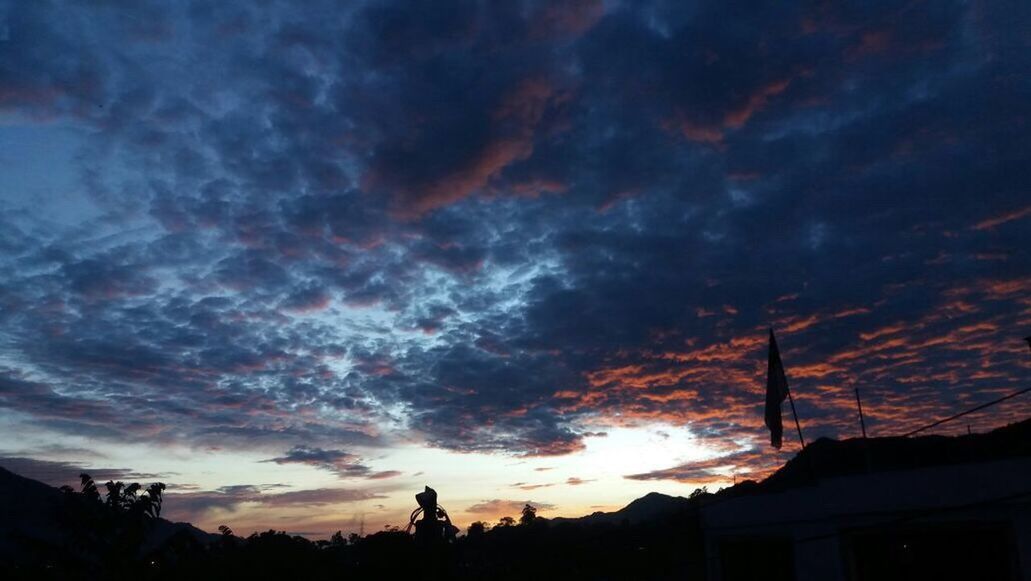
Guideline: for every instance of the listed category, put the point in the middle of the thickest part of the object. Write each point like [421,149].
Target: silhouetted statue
[434,536]
[430,530]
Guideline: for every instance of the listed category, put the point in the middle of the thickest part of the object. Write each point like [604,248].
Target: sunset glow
[298,261]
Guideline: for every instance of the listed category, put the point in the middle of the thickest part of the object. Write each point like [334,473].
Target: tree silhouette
[110,532]
[698,492]
[89,488]
[506,521]
[529,515]
[477,529]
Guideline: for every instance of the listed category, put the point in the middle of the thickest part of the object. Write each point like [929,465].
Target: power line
[969,411]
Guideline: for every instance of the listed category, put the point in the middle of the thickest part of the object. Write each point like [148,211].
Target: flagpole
[798,426]
[859,404]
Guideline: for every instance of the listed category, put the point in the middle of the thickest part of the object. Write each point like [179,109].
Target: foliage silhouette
[337,539]
[528,516]
[476,529]
[699,492]
[105,535]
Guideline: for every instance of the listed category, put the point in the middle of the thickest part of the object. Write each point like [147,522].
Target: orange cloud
[513,123]
[738,117]
[991,223]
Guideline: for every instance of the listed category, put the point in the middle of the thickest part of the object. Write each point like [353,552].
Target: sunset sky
[298,261]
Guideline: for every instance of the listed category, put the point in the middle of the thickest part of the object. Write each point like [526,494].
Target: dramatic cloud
[504,227]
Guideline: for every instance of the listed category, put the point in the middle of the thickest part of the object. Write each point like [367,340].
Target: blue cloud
[509,222]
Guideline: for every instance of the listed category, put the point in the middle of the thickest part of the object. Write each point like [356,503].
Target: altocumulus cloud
[498,226]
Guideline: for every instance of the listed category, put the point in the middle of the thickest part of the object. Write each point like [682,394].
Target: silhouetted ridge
[28,512]
[653,506]
[827,458]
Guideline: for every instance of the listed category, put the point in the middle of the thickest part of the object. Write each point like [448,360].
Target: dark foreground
[965,516]
[535,548]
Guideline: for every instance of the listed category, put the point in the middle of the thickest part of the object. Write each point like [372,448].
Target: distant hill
[30,517]
[650,507]
[28,509]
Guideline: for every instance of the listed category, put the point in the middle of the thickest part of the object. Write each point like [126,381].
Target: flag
[776,392]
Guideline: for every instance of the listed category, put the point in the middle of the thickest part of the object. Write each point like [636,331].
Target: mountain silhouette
[31,520]
[653,506]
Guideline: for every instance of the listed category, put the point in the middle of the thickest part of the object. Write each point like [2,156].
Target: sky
[298,260]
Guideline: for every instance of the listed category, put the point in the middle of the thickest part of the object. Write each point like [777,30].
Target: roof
[826,458]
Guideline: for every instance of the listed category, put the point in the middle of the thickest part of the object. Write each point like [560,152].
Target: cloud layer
[499,226]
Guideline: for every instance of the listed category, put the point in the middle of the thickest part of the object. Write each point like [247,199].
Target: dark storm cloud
[503,224]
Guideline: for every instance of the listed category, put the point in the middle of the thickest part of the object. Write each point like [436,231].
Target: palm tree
[111,532]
